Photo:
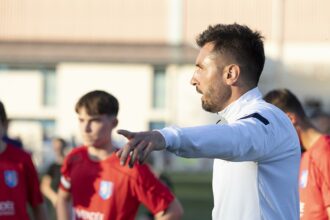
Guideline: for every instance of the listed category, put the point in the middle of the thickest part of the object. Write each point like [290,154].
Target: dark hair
[239,42]
[3,115]
[97,103]
[61,140]
[285,100]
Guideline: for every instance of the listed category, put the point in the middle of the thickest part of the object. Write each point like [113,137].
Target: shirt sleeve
[33,185]
[323,162]
[243,140]
[65,181]
[151,191]
[50,170]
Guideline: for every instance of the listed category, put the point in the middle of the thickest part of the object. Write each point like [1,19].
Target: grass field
[194,191]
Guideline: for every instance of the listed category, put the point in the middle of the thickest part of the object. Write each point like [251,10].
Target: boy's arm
[39,212]
[63,205]
[173,212]
[47,190]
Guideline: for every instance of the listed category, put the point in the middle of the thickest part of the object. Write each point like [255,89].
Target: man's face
[208,79]
[57,146]
[96,129]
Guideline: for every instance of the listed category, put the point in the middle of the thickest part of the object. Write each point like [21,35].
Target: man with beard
[254,146]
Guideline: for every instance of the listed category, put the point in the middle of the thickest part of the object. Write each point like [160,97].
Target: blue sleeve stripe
[257,116]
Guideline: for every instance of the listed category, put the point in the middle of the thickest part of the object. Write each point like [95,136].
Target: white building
[52,52]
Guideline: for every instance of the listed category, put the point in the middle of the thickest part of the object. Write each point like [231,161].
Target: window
[49,87]
[156,125]
[159,88]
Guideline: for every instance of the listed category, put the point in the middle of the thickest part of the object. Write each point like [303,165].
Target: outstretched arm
[63,206]
[243,140]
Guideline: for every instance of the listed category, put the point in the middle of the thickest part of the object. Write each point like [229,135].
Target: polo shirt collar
[235,107]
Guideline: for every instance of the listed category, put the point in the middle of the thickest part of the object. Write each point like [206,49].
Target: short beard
[209,107]
[217,102]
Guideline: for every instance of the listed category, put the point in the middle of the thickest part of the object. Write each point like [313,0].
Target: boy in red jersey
[314,182]
[93,179]
[19,184]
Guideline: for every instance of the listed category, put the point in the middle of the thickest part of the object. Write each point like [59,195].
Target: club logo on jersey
[303,178]
[105,190]
[11,178]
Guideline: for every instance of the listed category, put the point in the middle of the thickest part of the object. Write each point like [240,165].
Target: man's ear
[232,73]
[115,122]
[293,117]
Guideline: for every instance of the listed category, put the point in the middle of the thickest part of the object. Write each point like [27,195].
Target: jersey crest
[11,178]
[303,178]
[105,190]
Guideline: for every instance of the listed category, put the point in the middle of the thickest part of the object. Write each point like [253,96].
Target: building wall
[87,20]
[131,84]
[152,21]
[296,42]
[21,90]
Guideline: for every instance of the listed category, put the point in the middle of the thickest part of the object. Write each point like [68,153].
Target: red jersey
[108,191]
[19,184]
[314,181]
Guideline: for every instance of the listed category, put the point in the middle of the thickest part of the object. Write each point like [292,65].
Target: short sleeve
[324,169]
[50,170]
[65,182]
[151,191]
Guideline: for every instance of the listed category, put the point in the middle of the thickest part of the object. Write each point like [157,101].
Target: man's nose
[193,80]
[87,127]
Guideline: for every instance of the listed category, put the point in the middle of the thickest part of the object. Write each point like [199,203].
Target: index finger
[123,154]
[126,150]
[126,133]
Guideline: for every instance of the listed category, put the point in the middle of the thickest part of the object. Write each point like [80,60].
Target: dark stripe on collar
[257,116]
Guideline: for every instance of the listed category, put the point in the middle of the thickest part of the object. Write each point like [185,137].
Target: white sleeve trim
[65,183]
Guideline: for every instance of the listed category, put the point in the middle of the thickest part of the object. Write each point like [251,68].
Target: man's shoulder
[320,151]
[264,109]
[18,152]
[77,154]
[18,156]
[77,150]
[138,171]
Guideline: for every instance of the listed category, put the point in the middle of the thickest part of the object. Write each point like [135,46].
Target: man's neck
[236,93]
[100,153]
[239,91]
[308,135]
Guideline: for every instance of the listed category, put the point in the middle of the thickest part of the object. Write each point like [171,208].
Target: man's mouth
[198,90]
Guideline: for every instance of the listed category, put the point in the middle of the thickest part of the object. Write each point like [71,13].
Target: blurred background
[143,52]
